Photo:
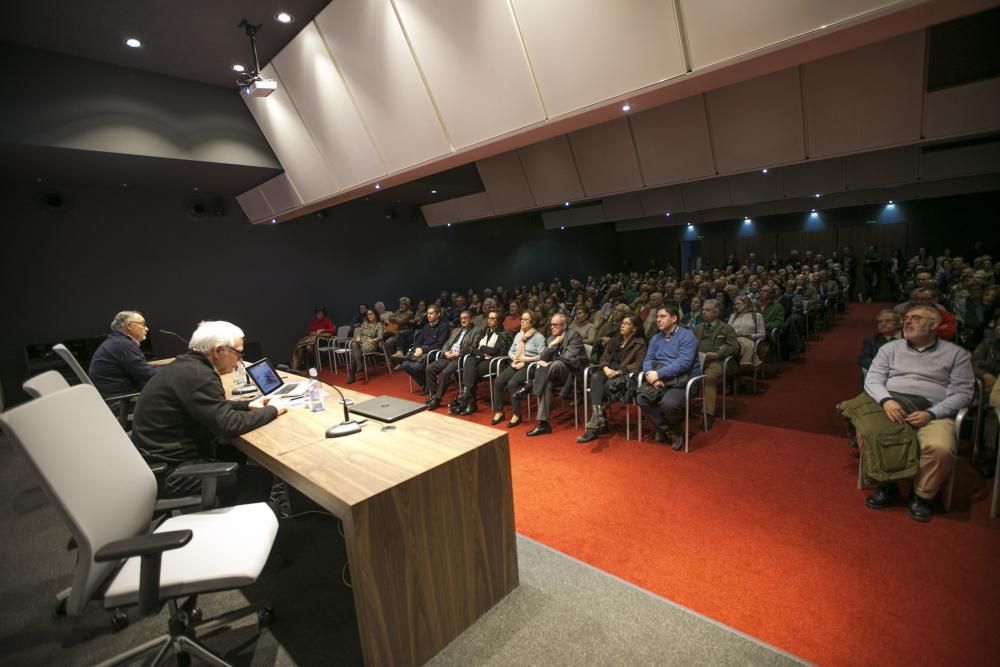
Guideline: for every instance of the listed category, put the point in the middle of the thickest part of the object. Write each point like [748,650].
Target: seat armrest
[204,470]
[150,547]
[158,468]
[171,504]
[143,545]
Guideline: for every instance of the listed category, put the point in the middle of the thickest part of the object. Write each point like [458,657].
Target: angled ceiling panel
[291,142]
[756,186]
[459,209]
[254,205]
[369,47]
[661,201]
[809,178]
[639,45]
[551,173]
[471,57]
[865,98]
[717,30]
[882,168]
[964,161]
[314,84]
[757,123]
[706,194]
[280,194]
[623,207]
[505,182]
[673,143]
[605,157]
[974,107]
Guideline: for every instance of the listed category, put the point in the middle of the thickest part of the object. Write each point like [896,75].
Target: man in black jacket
[182,414]
[431,337]
[439,373]
[889,328]
[563,355]
[490,342]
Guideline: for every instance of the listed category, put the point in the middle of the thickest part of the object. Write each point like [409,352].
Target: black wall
[66,272]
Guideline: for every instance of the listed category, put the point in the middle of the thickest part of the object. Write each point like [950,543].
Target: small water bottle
[239,375]
[315,393]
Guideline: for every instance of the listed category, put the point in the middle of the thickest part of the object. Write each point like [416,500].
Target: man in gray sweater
[921,381]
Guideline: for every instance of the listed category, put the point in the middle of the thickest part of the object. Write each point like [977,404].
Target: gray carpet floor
[564,612]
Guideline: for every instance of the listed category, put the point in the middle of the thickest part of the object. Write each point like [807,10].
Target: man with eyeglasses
[488,343]
[929,296]
[439,373]
[890,326]
[562,356]
[921,381]
[183,416]
[118,367]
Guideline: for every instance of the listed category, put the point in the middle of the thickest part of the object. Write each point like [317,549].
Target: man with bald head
[118,366]
[921,381]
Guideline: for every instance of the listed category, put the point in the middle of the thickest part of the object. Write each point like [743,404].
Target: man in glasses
[489,342]
[183,416]
[118,366]
[921,381]
[562,356]
[890,325]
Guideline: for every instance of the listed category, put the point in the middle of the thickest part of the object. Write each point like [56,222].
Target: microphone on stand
[175,335]
[348,426]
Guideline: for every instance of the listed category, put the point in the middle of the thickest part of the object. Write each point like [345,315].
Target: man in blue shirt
[671,358]
[119,367]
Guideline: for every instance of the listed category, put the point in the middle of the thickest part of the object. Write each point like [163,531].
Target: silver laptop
[387,409]
[265,376]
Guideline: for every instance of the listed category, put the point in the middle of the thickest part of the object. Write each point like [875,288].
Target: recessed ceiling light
[764,170]
[434,192]
[667,214]
[133,42]
[626,107]
[818,195]
[566,204]
[449,224]
[283,17]
[274,221]
[562,228]
[239,68]
[377,186]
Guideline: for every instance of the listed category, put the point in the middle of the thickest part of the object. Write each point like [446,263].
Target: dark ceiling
[190,39]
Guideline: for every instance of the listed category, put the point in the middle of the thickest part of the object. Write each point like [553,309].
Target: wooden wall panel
[887,237]
[823,241]
[713,249]
[762,244]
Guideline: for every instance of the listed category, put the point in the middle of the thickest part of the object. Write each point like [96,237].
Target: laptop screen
[264,376]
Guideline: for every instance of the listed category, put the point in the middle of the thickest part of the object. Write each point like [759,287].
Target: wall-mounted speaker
[204,206]
[52,201]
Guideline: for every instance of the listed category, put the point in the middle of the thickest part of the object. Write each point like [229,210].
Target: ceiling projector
[258,87]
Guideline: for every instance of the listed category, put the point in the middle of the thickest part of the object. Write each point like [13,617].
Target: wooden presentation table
[428,518]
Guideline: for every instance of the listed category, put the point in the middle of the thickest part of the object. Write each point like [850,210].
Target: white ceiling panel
[459,209]
[673,143]
[623,207]
[882,168]
[717,30]
[706,194]
[757,123]
[605,157]
[586,51]
[865,98]
[312,80]
[291,142]
[505,182]
[280,194]
[471,57]
[809,178]
[551,173]
[377,65]
[964,161]
[661,201]
[755,186]
[254,205]
[974,107]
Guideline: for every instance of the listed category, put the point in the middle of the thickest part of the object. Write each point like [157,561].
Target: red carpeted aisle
[762,527]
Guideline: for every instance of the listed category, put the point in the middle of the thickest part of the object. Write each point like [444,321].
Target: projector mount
[252,83]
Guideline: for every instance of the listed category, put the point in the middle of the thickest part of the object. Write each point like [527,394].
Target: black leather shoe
[540,429]
[497,420]
[521,393]
[885,495]
[660,436]
[434,403]
[709,421]
[588,436]
[423,392]
[512,423]
[676,441]
[350,379]
[920,508]
[469,409]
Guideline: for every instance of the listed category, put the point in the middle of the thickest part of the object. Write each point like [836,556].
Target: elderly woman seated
[749,327]
[320,327]
[365,340]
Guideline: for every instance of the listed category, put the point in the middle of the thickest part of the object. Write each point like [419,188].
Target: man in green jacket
[716,341]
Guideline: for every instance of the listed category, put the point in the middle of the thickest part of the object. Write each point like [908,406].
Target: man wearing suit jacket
[563,355]
[446,365]
[717,341]
[889,325]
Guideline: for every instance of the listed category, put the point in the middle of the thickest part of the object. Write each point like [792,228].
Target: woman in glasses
[491,342]
[526,348]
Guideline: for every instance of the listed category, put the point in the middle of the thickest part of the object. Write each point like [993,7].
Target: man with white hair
[182,414]
[118,366]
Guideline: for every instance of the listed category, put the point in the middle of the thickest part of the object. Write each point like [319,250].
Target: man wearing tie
[446,364]
[563,355]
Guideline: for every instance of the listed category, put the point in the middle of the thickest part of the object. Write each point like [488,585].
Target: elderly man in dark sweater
[118,366]
[922,381]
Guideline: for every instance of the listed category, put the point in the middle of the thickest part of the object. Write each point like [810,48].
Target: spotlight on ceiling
[565,204]
[283,17]
[239,68]
[764,170]
[626,107]
[667,214]
[251,83]
[132,42]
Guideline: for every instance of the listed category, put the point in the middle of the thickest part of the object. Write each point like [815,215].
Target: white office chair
[105,493]
[44,384]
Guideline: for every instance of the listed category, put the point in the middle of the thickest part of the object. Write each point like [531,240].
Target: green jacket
[721,339]
[889,451]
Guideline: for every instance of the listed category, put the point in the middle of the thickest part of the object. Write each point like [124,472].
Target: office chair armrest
[204,470]
[164,506]
[151,544]
[158,468]
[150,547]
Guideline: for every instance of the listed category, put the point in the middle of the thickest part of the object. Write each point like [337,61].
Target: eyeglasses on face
[915,318]
[238,353]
